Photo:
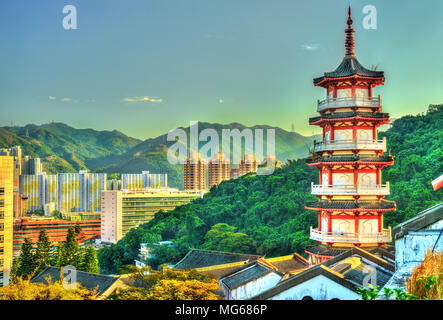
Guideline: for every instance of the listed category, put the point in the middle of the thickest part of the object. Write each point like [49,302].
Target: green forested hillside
[63,148]
[66,149]
[266,215]
[151,154]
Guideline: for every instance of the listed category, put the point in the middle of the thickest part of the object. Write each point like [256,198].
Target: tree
[184,290]
[222,237]
[25,290]
[43,251]
[89,261]
[166,284]
[26,263]
[70,250]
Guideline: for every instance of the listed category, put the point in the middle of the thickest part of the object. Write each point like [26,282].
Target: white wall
[255,287]
[319,288]
[411,249]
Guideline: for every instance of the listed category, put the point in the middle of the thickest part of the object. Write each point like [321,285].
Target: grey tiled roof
[349,67]
[245,275]
[326,251]
[197,258]
[88,280]
[338,115]
[362,204]
[358,275]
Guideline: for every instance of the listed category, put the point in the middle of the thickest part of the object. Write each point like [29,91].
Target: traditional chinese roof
[326,250]
[359,270]
[422,220]
[350,115]
[353,205]
[348,267]
[90,281]
[245,275]
[339,159]
[290,263]
[350,65]
[197,258]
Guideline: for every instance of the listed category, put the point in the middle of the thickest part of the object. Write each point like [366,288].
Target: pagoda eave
[325,82]
[351,163]
[343,210]
[324,121]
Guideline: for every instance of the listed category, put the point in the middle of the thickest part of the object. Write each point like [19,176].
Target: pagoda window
[344,93]
[343,179]
[364,134]
[343,134]
[361,93]
[369,226]
[367,178]
[343,226]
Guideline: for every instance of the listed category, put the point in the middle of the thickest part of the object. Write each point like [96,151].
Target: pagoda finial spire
[349,43]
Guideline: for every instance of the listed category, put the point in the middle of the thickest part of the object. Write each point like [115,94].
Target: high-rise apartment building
[124,210]
[248,164]
[72,192]
[218,170]
[195,172]
[32,166]
[6,216]
[136,181]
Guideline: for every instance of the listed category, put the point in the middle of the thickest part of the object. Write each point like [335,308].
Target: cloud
[142,99]
[65,99]
[52,98]
[310,47]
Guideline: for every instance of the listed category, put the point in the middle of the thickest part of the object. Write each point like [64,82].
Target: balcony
[348,102]
[357,144]
[375,237]
[357,189]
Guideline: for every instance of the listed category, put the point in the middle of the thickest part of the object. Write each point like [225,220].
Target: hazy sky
[147,66]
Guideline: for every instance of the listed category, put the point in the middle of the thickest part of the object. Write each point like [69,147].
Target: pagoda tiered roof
[352,205]
[347,68]
[343,116]
[350,159]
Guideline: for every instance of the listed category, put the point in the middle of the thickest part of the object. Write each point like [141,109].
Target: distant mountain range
[65,149]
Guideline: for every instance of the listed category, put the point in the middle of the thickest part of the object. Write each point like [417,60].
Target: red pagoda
[349,159]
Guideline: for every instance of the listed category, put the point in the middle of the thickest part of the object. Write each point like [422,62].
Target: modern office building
[218,170]
[124,210]
[138,181]
[248,164]
[195,172]
[6,216]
